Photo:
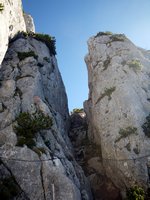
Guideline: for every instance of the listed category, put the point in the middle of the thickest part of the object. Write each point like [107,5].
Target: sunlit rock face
[117,107]
[29,23]
[12,21]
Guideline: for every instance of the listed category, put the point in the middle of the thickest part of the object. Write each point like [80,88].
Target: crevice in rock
[18,92]
[89,157]
[21,193]
[42,180]
[20,77]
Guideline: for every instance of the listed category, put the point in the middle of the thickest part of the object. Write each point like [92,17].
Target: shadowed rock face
[118,105]
[88,155]
[47,170]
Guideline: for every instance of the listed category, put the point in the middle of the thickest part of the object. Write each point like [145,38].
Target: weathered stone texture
[28,85]
[12,21]
[118,105]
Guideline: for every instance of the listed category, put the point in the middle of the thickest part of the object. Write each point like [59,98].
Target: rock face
[29,23]
[43,168]
[12,21]
[117,107]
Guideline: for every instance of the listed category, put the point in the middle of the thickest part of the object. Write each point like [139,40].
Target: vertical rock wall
[118,104]
[45,169]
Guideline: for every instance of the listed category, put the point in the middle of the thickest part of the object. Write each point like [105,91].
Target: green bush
[146,126]
[103,33]
[135,65]
[23,55]
[117,37]
[107,92]
[126,132]
[1,7]
[135,193]
[77,110]
[28,125]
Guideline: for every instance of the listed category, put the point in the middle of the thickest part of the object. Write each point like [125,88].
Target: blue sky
[72,22]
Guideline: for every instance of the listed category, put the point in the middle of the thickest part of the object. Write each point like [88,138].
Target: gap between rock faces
[88,155]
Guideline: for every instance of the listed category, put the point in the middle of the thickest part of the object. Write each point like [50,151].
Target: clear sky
[72,22]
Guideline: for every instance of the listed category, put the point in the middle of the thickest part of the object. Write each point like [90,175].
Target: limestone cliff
[118,104]
[12,20]
[36,156]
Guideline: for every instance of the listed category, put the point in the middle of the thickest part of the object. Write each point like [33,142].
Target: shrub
[117,37]
[135,65]
[28,125]
[103,33]
[146,126]
[77,110]
[107,92]
[126,132]
[23,55]
[1,7]
[135,193]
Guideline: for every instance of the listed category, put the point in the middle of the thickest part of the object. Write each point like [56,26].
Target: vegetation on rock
[113,37]
[135,193]
[23,55]
[47,39]
[118,37]
[103,33]
[135,65]
[126,132]
[1,7]
[28,125]
[77,110]
[107,92]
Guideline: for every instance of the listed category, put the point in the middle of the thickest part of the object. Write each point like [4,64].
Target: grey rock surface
[118,105]
[29,23]
[48,171]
